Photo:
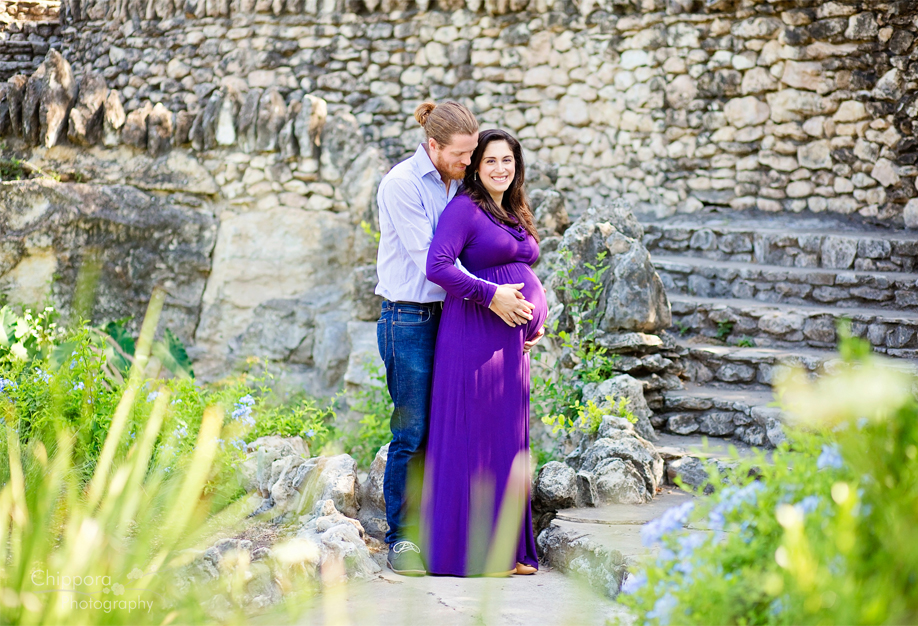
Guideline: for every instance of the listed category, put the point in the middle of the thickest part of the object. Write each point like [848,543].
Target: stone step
[792,325]
[784,241]
[708,278]
[600,544]
[727,411]
[741,365]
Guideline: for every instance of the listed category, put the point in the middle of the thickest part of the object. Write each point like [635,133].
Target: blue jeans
[407,335]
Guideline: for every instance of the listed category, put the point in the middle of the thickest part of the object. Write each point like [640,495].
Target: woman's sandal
[524,570]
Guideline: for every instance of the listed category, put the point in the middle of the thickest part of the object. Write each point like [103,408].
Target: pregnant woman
[476,511]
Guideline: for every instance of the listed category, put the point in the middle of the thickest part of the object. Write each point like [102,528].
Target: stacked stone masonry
[28,29]
[778,105]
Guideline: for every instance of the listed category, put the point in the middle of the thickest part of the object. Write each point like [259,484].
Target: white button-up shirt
[411,198]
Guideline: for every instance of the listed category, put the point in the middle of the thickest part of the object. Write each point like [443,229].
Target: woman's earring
[475,176]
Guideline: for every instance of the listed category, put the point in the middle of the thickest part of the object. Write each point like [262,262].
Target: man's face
[452,159]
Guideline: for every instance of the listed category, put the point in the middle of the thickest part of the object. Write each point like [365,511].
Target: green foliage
[12,169]
[372,233]
[558,394]
[821,533]
[683,328]
[108,481]
[723,330]
[375,403]
[589,416]
[746,342]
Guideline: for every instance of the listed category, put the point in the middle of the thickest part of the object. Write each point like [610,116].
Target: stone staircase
[750,294]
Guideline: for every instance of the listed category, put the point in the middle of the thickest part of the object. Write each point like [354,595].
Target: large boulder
[58,94]
[632,296]
[139,240]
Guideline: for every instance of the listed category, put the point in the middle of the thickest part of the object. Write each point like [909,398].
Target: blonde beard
[452,174]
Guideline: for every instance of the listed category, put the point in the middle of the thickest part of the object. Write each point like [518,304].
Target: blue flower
[731,499]
[246,400]
[808,504]
[180,432]
[310,433]
[238,443]
[663,608]
[44,376]
[6,383]
[152,396]
[830,458]
[79,386]
[633,583]
[777,607]
[653,531]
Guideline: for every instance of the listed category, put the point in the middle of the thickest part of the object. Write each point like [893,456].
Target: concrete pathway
[548,597]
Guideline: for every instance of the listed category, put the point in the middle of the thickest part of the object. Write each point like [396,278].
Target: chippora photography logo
[92,592]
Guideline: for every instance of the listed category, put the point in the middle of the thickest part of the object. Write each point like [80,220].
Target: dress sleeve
[454,232]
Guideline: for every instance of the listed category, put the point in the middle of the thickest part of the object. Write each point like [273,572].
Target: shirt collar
[423,163]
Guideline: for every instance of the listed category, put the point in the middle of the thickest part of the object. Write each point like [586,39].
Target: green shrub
[821,533]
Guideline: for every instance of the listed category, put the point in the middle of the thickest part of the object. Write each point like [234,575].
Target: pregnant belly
[532,290]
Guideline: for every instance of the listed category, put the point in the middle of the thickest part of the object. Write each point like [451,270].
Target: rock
[338,483]
[371,490]
[838,252]
[159,130]
[622,445]
[792,105]
[113,119]
[15,94]
[806,75]
[910,213]
[850,111]
[364,366]
[203,132]
[309,124]
[750,111]
[152,239]
[177,171]
[616,481]
[549,212]
[624,343]
[815,155]
[85,124]
[574,111]
[248,115]
[565,547]
[31,101]
[58,94]
[717,423]
[682,424]
[134,132]
[555,487]
[272,113]
[862,26]
[286,139]
[255,471]
[681,91]
[623,387]
[689,470]
[632,296]
[890,86]
[225,124]
[339,542]
[367,305]
[758,80]
[884,171]
[183,123]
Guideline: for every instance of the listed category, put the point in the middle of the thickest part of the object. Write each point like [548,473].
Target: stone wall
[28,29]
[675,105]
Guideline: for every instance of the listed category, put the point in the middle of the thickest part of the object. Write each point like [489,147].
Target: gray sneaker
[405,559]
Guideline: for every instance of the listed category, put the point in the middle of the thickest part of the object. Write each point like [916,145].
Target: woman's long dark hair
[514,209]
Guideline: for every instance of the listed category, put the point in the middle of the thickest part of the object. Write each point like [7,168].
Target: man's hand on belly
[510,305]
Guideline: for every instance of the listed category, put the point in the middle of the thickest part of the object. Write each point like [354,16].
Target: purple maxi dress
[479,413]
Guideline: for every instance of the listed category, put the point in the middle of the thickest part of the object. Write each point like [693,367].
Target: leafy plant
[821,533]
[683,328]
[724,329]
[558,394]
[746,342]
[589,416]
[375,403]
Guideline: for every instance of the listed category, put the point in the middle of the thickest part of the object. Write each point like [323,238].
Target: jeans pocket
[410,317]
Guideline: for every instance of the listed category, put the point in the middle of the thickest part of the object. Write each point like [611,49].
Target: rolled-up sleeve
[453,234]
